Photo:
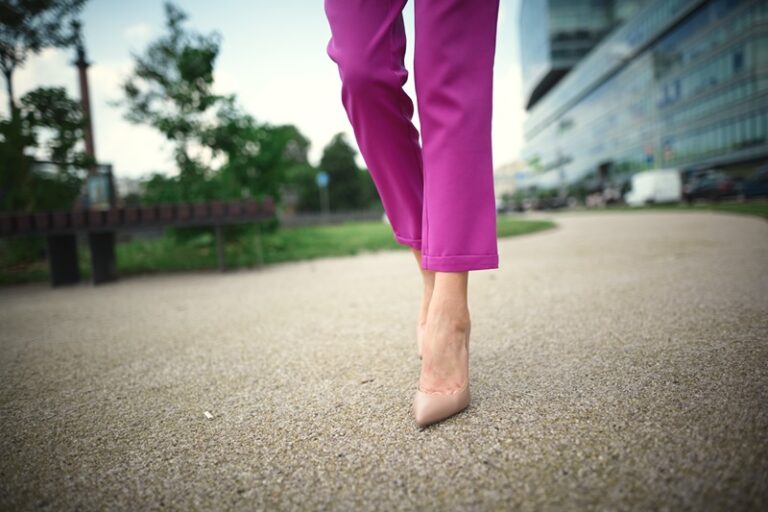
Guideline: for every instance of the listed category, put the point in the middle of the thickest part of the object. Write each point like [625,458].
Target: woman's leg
[445,362]
[368,45]
[455,45]
[428,279]
[454,58]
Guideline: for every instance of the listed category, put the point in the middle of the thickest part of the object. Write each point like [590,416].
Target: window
[738,60]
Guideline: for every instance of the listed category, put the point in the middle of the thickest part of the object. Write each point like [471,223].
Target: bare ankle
[453,314]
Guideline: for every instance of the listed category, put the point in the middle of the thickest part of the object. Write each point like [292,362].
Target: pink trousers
[439,197]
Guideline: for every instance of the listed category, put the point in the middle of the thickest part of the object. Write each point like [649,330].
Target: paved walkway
[619,361]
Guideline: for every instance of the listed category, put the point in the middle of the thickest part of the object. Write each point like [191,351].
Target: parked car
[709,184]
[654,186]
[551,203]
[756,185]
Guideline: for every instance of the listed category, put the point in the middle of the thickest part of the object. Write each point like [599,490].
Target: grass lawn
[759,208]
[26,264]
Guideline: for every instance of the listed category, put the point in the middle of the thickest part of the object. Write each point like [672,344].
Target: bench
[62,227]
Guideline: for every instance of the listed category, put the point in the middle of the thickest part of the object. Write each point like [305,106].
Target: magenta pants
[438,197]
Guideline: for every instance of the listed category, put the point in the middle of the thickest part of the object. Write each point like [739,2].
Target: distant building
[557,34]
[508,178]
[680,83]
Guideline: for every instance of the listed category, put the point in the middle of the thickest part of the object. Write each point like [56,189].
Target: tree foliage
[57,124]
[50,126]
[29,26]
[15,165]
[256,155]
[171,89]
[350,188]
[221,151]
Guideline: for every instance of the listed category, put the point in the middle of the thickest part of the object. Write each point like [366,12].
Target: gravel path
[618,362]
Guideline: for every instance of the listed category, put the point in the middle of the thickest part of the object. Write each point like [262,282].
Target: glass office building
[682,83]
[557,34]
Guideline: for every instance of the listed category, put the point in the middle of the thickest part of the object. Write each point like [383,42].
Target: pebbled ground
[619,361]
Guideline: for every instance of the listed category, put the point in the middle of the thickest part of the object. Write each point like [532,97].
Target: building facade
[682,83]
[557,34]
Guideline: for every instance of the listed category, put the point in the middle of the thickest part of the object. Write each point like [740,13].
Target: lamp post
[100,182]
[85,96]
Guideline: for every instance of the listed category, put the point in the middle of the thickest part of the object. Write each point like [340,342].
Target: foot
[431,408]
[445,350]
[443,389]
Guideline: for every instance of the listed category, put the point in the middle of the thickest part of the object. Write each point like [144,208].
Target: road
[619,361]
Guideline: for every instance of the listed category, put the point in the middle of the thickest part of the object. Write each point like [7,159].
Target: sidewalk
[619,361]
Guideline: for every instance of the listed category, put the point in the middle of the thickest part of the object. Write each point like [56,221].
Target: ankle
[452,314]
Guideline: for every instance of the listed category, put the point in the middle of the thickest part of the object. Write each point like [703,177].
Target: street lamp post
[82,65]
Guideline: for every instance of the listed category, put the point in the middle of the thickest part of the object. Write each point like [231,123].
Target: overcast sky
[272,56]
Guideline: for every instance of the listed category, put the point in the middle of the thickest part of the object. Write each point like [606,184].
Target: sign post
[322,179]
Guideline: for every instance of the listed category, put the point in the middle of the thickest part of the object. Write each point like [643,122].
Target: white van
[655,186]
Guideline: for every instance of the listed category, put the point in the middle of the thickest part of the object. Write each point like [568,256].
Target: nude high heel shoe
[431,407]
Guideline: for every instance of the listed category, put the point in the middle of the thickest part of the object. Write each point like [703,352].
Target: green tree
[51,125]
[29,26]
[368,191]
[350,188]
[171,90]
[57,125]
[301,179]
[15,165]
[49,109]
[257,155]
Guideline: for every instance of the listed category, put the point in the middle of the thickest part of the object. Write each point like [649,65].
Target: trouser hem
[410,242]
[460,263]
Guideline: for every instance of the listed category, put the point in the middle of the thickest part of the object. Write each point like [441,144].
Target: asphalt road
[618,362]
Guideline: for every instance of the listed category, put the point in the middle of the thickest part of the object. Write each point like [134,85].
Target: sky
[272,56]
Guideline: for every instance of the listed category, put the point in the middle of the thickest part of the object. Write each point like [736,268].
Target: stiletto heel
[431,407]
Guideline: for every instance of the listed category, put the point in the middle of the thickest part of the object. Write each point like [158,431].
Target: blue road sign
[322,179]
